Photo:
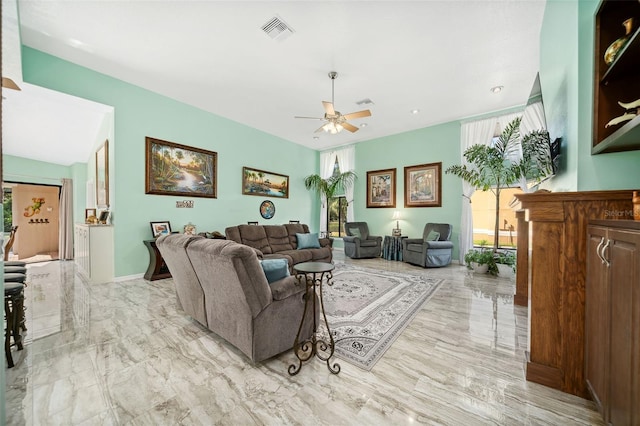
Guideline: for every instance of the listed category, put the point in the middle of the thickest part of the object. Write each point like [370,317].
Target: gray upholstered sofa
[358,243]
[433,250]
[222,285]
[280,241]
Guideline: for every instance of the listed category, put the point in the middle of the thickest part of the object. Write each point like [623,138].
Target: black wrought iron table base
[312,275]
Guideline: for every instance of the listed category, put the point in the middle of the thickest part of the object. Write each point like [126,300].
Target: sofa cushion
[293,229]
[278,238]
[320,254]
[433,236]
[286,287]
[298,256]
[275,269]
[254,236]
[355,231]
[306,241]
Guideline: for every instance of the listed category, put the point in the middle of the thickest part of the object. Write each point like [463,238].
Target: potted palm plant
[327,188]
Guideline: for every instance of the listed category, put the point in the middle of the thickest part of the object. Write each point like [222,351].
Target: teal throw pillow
[355,232]
[306,241]
[433,236]
[275,269]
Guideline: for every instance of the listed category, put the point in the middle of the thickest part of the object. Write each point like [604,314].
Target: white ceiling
[440,57]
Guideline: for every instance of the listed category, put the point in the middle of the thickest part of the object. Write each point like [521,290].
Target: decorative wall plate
[267,209]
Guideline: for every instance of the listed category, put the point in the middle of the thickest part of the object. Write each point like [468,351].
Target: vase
[636,205]
[614,48]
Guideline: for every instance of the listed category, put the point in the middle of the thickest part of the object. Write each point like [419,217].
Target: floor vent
[277,29]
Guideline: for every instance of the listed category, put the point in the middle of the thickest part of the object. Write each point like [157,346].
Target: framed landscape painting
[423,185]
[381,188]
[174,169]
[259,182]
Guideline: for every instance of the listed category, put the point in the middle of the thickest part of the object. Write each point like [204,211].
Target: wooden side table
[392,247]
[157,269]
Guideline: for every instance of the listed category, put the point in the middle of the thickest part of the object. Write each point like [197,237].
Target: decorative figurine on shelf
[190,229]
[614,48]
[632,109]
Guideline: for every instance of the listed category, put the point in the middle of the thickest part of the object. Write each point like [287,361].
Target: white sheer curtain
[346,162]
[65,237]
[327,160]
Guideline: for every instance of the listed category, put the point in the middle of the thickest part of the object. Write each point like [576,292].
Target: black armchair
[434,249]
[358,243]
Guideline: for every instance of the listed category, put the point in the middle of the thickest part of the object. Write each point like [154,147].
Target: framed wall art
[381,188]
[102,176]
[174,169]
[259,182]
[160,228]
[423,185]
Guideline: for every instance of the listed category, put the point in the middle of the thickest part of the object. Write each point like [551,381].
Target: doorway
[35,210]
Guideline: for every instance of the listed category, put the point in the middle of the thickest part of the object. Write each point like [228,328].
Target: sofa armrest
[375,237]
[326,242]
[439,244]
[351,239]
[258,252]
[285,288]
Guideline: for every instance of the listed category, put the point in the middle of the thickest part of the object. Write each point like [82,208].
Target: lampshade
[396,215]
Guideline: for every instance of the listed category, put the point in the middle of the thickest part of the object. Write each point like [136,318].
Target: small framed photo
[89,213]
[104,217]
[423,185]
[160,228]
[381,188]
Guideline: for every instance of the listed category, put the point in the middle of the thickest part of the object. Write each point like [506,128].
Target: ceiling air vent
[277,29]
[366,101]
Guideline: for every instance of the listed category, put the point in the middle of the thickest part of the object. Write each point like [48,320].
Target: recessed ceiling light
[496,89]
[415,111]
[364,125]
[316,137]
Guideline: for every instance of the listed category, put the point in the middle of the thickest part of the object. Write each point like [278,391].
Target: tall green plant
[327,188]
[490,167]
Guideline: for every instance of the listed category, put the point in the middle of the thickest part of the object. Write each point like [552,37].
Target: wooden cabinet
[612,320]
[93,252]
[557,271]
[617,82]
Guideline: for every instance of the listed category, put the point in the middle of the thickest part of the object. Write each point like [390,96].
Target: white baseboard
[128,278]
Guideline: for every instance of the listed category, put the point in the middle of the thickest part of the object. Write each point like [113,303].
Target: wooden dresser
[557,270]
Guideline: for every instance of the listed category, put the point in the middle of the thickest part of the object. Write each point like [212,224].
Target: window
[337,213]
[483,208]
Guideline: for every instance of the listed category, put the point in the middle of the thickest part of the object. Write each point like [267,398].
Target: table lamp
[396,232]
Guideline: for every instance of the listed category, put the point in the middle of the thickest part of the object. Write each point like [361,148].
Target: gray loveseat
[280,241]
[221,284]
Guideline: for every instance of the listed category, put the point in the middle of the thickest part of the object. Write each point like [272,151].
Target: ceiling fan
[334,121]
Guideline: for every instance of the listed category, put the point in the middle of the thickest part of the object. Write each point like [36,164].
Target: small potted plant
[481,261]
[506,263]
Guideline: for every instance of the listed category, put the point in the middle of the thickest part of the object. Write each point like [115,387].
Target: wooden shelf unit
[619,81]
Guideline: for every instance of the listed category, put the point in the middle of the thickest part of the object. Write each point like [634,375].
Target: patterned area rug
[368,309]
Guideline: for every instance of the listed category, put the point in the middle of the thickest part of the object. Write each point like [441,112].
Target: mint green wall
[434,144]
[566,77]
[140,113]
[558,79]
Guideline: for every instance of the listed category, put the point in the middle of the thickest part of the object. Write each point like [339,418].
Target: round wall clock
[267,209]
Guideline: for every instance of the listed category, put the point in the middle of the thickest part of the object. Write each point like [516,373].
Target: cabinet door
[597,319]
[624,279]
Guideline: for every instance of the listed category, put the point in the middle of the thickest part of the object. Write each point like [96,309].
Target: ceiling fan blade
[328,108]
[320,129]
[359,114]
[312,118]
[9,84]
[350,127]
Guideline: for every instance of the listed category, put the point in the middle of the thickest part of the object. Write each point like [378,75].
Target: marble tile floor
[121,353]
